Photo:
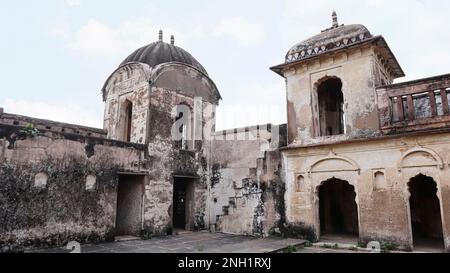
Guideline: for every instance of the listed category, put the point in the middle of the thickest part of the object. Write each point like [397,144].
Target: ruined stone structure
[62,182]
[359,155]
[364,156]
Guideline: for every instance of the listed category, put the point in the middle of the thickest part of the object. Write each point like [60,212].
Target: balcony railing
[416,105]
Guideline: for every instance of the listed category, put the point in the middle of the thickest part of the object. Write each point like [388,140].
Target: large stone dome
[160,52]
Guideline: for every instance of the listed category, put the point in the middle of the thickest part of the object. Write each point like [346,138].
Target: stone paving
[206,242]
[195,242]
[316,249]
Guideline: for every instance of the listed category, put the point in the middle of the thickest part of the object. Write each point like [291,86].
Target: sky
[56,54]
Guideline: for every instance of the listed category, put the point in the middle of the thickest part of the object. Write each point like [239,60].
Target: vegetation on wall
[63,202]
[29,131]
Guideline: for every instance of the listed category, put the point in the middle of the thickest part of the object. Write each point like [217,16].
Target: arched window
[182,127]
[182,144]
[128,110]
[300,185]
[331,107]
[379,181]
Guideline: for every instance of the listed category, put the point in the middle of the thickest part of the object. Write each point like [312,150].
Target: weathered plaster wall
[47,191]
[358,70]
[155,93]
[166,157]
[185,80]
[129,82]
[383,207]
[244,174]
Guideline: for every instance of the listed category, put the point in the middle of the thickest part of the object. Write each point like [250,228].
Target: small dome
[332,38]
[160,52]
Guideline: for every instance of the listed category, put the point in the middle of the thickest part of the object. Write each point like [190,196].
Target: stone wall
[245,173]
[57,186]
[167,161]
[359,71]
[129,83]
[156,93]
[49,125]
[383,206]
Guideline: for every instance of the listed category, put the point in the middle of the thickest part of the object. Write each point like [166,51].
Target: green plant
[145,235]
[308,244]
[335,246]
[290,249]
[326,246]
[387,246]
[353,248]
[362,245]
[29,131]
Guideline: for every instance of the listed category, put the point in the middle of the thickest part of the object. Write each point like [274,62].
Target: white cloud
[96,39]
[73,3]
[246,33]
[414,29]
[59,30]
[69,113]
[199,31]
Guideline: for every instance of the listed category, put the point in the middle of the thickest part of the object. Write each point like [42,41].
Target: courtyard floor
[191,242]
[207,242]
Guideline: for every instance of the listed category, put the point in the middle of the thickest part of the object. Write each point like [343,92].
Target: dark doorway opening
[129,205]
[425,209]
[337,208]
[183,203]
[331,107]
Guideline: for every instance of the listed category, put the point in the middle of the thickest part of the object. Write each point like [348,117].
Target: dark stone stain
[276,189]
[216,176]
[89,149]
[292,122]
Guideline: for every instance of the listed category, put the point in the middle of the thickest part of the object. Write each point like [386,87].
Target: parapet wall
[48,125]
[416,105]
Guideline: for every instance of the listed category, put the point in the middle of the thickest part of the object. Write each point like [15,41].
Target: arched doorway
[338,210]
[331,107]
[425,211]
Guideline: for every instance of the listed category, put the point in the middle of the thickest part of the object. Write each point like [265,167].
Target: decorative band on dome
[331,39]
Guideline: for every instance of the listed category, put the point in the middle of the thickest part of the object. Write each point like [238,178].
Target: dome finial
[160,35]
[335,19]
[172,40]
